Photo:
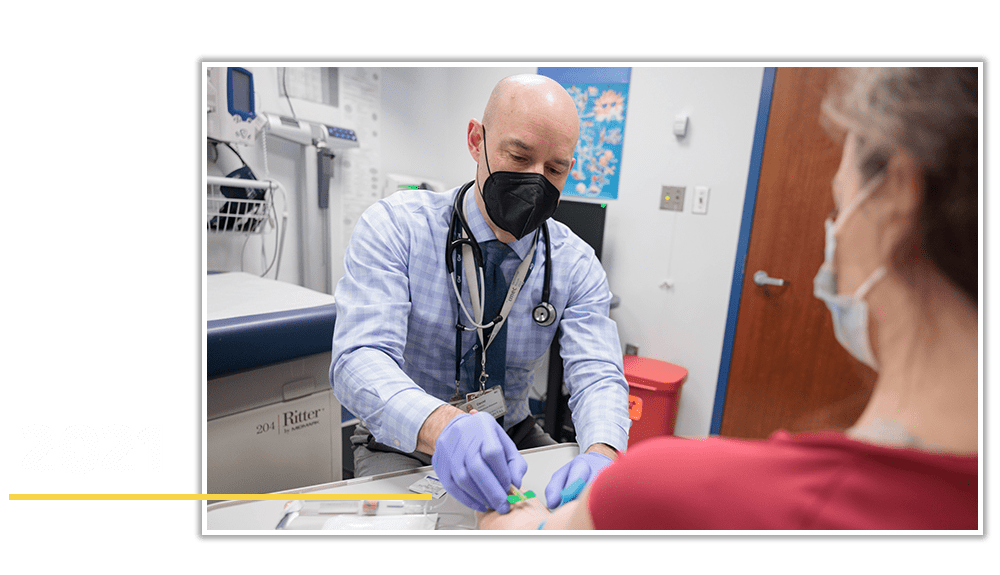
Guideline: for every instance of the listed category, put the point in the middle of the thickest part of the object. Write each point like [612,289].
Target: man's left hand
[585,466]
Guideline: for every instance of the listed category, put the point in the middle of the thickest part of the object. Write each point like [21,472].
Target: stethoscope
[462,244]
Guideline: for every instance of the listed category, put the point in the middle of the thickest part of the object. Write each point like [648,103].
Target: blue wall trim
[739,271]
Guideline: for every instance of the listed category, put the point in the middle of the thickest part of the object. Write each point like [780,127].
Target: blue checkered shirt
[394,338]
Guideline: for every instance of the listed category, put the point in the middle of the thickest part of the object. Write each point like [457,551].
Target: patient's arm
[529,514]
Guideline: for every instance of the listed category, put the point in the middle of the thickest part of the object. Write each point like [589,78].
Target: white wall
[645,245]
[425,112]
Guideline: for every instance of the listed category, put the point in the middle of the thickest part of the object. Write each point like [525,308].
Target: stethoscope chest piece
[544,314]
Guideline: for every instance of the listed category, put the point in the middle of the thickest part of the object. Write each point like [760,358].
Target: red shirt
[808,481]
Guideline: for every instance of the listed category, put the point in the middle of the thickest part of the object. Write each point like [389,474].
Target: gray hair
[932,114]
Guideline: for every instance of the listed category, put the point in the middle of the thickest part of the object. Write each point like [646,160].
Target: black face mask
[518,202]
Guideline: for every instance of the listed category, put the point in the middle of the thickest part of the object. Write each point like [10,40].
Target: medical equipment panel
[308,133]
[232,115]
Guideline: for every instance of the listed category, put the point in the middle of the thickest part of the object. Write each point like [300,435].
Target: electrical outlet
[672,198]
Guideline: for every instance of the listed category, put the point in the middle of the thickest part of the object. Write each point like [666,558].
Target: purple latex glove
[477,462]
[585,466]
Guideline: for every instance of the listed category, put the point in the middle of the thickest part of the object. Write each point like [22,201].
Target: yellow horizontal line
[215,496]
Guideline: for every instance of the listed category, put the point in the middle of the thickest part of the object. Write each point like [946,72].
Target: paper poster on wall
[601,97]
[362,166]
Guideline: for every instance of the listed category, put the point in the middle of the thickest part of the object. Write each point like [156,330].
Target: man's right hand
[477,462]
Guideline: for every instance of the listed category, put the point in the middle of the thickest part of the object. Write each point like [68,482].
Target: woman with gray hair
[900,278]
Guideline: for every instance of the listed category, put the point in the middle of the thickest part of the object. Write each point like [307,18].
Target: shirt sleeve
[592,358]
[666,483]
[373,307]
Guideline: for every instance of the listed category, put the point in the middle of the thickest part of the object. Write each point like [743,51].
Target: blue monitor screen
[241,93]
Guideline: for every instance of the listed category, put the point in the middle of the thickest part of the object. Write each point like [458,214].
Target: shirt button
[396,442]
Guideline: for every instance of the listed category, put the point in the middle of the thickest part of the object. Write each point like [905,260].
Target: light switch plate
[700,203]
[672,198]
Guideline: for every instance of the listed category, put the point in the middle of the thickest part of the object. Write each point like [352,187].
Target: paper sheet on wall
[312,84]
[363,180]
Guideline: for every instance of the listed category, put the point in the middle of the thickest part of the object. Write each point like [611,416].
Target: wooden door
[787,370]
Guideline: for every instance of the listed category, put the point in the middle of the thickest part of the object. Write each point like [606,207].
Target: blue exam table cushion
[255,322]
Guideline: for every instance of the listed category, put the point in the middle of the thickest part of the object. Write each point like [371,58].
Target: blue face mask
[849,311]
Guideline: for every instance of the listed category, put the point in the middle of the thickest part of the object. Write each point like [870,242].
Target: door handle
[762,279]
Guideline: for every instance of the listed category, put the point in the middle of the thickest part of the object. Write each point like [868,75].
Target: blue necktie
[494,252]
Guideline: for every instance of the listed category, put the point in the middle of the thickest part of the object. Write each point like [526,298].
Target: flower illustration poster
[602,109]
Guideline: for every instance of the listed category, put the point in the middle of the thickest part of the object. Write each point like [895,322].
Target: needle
[517,496]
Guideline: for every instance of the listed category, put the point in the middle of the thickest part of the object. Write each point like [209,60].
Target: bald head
[517,94]
[530,125]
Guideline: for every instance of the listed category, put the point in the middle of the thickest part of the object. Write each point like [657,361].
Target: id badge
[490,401]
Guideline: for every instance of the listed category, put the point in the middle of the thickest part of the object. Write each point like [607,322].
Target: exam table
[273,422]
[234,517]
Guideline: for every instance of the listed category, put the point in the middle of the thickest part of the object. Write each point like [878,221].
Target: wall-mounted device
[672,198]
[309,133]
[324,138]
[232,115]
[293,130]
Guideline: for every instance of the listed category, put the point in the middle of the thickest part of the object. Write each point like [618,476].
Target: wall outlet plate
[700,203]
[672,198]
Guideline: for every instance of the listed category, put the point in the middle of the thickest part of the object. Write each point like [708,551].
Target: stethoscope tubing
[453,261]
[453,252]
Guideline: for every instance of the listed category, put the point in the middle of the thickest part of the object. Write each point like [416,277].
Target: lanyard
[465,259]
[515,288]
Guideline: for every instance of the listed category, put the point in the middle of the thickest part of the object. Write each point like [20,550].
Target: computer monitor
[586,219]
